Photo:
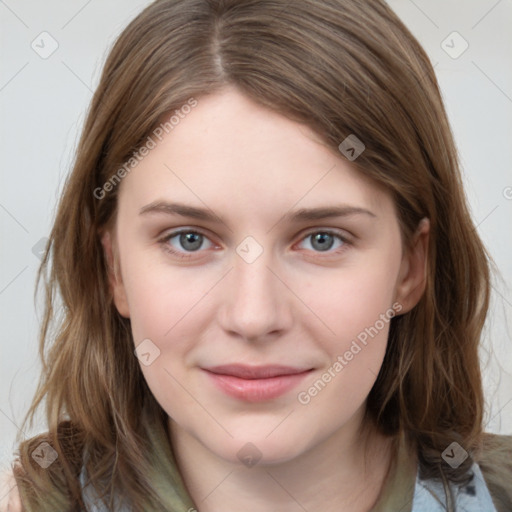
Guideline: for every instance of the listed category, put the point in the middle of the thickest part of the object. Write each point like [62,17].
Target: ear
[114,274]
[412,277]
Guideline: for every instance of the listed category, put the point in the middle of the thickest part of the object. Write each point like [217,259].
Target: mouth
[256,383]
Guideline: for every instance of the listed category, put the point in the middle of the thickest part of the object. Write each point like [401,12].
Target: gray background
[42,107]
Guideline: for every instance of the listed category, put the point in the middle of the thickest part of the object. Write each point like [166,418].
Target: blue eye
[187,241]
[323,241]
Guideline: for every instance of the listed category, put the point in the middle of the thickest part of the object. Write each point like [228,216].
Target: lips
[255,372]
[255,383]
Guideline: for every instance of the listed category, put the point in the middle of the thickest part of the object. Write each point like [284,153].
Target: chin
[258,448]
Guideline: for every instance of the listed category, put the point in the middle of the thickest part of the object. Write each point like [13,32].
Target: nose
[257,304]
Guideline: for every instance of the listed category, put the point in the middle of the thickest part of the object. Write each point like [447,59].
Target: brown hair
[341,67]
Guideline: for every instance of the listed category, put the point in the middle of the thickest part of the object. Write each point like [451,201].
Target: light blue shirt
[429,495]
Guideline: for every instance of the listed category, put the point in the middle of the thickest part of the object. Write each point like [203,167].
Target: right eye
[182,243]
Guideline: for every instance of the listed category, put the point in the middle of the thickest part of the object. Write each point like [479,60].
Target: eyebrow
[302,214]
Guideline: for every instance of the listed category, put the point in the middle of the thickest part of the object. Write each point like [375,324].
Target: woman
[316,346]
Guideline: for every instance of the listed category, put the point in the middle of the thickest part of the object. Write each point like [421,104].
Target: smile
[255,383]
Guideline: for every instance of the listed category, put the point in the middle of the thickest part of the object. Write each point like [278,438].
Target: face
[259,315]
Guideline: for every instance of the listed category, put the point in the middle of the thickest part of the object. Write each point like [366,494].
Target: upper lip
[255,372]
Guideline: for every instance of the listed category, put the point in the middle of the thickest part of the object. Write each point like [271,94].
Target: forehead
[232,154]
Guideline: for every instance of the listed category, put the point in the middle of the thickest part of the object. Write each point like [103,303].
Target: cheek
[355,306]
[168,305]
[151,309]
[354,299]
[357,309]
[167,308]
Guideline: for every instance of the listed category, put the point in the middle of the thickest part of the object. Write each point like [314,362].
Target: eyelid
[341,233]
[186,229]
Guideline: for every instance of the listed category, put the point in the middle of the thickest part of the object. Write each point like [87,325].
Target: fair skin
[295,305]
[300,303]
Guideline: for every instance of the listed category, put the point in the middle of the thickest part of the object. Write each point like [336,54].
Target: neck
[335,475]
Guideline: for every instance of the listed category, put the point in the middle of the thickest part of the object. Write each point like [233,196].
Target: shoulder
[9,496]
[495,461]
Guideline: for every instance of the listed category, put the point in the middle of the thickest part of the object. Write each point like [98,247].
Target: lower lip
[256,390]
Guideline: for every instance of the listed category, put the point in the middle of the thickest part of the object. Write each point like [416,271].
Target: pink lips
[255,383]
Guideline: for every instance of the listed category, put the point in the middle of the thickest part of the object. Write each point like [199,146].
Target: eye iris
[325,241]
[195,239]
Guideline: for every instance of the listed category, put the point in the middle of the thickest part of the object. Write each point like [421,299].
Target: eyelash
[187,255]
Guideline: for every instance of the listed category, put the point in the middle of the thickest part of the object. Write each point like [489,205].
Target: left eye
[322,241]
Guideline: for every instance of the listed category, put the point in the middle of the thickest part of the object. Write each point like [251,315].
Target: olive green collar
[397,492]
